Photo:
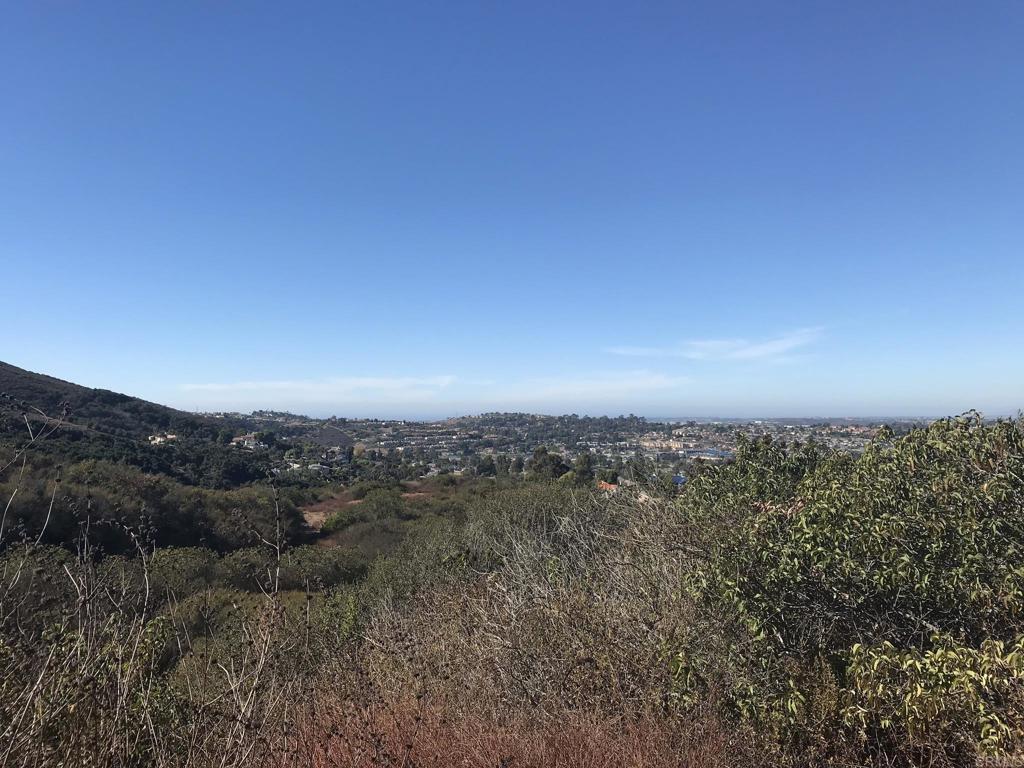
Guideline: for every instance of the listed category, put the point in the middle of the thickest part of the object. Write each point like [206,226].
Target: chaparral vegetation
[794,606]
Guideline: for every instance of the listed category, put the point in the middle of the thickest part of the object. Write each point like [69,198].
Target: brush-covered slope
[100,424]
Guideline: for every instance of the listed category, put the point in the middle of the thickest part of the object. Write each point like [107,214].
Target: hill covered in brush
[68,422]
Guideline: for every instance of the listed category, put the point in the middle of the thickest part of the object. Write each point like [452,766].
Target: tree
[584,468]
[547,466]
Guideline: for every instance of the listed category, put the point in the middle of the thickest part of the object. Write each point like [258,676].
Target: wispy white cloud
[339,390]
[376,395]
[773,348]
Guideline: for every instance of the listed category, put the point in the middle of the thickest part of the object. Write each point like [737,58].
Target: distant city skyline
[418,211]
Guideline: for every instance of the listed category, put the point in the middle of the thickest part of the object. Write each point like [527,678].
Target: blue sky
[422,209]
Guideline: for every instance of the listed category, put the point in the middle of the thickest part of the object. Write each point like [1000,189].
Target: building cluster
[249,441]
[466,444]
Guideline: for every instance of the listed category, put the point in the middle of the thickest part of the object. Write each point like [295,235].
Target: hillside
[91,409]
[100,424]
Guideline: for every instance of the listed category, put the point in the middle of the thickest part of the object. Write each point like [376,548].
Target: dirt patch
[317,514]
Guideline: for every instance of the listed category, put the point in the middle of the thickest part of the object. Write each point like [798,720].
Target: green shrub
[800,556]
[949,694]
[319,568]
[344,518]
[176,572]
[251,570]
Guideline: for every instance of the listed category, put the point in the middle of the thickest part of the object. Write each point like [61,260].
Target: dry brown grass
[335,735]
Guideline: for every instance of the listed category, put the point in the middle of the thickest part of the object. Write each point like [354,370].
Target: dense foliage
[893,577]
[56,504]
[844,608]
[107,426]
[796,606]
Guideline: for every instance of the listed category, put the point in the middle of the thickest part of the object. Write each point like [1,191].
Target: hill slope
[93,409]
[100,424]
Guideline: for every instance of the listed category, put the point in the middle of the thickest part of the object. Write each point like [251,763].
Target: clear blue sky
[419,209]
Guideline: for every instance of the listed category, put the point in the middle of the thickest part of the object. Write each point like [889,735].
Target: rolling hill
[100,424]
[91,409]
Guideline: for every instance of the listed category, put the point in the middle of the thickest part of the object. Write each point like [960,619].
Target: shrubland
[795,606]
[52,502]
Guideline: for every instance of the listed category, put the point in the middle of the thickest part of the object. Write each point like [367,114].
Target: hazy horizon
[389,412]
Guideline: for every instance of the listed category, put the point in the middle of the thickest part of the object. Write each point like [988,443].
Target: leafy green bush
[108,499]
[176,572]
[250,570]
[319,568]
[804,556]
[344,518]
[947,693]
